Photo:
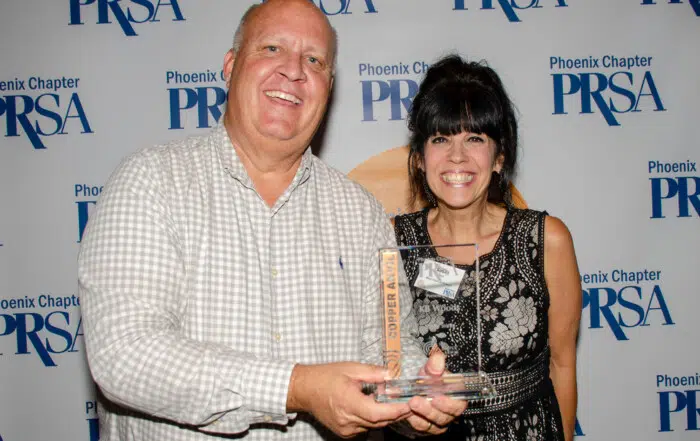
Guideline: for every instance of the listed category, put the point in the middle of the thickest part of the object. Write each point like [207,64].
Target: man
[229,282]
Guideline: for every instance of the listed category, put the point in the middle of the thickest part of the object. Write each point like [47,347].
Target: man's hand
[432,417]
[332,393]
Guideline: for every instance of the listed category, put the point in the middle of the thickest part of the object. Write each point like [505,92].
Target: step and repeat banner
[608,96]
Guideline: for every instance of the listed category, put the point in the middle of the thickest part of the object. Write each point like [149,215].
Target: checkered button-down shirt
[198,298]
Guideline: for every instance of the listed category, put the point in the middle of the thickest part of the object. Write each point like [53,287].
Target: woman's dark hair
[457,96]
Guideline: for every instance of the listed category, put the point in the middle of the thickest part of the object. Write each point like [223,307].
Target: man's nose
[292,68]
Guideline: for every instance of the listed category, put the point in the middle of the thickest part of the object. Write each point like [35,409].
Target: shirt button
[277,336]
[267,418]
[274,272]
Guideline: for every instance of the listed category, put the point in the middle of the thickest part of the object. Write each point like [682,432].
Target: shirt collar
[233,166]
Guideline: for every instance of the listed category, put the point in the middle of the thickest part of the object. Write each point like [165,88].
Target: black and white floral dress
[513,314]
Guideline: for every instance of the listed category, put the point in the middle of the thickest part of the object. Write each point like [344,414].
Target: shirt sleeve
[413,358]
[133,291]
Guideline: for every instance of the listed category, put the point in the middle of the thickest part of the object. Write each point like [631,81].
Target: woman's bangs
[471,112]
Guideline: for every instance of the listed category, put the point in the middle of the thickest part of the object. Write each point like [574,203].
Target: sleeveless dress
[514,343]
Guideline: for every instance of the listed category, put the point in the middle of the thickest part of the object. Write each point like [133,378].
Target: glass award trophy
[434,274]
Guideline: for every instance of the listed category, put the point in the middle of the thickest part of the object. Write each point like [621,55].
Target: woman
[463,154]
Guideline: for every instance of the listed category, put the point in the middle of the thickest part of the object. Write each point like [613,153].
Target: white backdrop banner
[607,94]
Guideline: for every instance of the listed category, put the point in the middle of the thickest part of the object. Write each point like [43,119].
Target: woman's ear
[498,163]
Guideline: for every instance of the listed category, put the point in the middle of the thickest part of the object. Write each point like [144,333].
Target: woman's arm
[564,286]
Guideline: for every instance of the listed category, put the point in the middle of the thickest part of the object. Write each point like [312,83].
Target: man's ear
[229,58]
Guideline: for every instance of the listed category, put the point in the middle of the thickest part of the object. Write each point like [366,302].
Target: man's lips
[286,96]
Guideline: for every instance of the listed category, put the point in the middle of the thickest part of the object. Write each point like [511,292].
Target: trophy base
[466,386]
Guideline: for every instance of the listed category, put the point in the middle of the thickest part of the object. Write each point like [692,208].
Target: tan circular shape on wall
[385,175]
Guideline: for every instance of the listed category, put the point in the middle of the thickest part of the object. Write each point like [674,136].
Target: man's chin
[284,132]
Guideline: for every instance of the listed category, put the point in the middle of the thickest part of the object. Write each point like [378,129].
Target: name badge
[439,278]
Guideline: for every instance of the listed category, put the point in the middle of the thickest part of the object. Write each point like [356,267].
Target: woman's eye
[438,140]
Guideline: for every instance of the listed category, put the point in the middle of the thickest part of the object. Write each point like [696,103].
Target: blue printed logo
[509,7]
[44,326]
[679,193]
[578,431]
[86,196]
[694,4]
[47,114]
[386,98]
[92,419]
[609,84]
[195,97]
[678,402]
[338,7]
[126,13]
[621,300]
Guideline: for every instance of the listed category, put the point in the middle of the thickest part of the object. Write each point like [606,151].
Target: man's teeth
[457,178]
[285,96]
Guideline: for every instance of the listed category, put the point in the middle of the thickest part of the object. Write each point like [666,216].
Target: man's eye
[313,60]
[272,48]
